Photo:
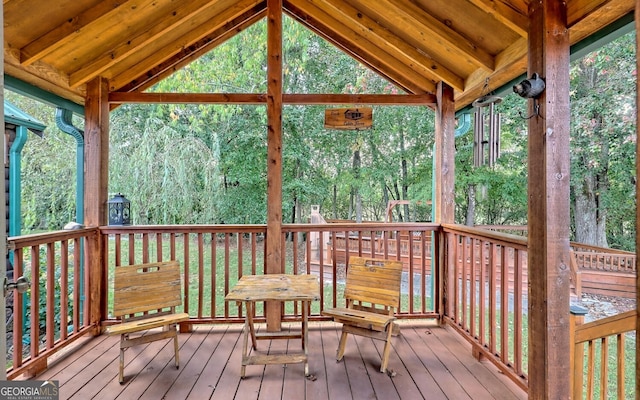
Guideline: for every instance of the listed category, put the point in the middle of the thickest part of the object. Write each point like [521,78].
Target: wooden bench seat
[364,319]
[372,295]
[145,297]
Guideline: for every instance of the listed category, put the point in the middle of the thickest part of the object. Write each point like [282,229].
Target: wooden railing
[603,271]
[598,374]
[236,250]
[603,259]
[478,284]
[486,295]
[55,312]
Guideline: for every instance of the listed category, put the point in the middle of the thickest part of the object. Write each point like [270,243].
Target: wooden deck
[427,362]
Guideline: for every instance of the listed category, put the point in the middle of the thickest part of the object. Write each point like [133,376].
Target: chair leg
[341,346]
[121,368]
[387,349]
[175,348]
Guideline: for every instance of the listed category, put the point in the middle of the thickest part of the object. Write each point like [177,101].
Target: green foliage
[48,171]
[190,163]
[603,140]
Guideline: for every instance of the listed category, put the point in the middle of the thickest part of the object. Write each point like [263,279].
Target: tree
[603,142]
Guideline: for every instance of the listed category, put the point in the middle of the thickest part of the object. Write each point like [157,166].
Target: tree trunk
[335,201]
[589,217]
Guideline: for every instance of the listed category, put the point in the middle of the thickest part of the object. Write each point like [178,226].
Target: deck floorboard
[427,361]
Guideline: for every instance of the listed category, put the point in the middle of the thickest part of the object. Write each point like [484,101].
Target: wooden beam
[426,29]
[70,29]
[511,62]
[370,56]
[274,154]
[444,192]
[514,17]
[321,29]
[96,161]
[444,156]
[200,26]
[196,50]
[259,98]
[548,214]
[370,99]
[181,14]
[41,75]
[397,48]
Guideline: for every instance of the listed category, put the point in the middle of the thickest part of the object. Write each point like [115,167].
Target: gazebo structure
[89,56]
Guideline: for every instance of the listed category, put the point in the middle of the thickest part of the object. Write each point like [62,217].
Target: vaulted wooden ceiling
[61,45]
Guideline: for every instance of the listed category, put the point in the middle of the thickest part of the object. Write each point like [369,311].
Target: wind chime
[486,129]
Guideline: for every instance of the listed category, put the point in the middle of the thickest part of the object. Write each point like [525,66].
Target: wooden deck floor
[428,362]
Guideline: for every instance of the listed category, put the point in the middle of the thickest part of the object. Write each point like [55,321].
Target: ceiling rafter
[319,28]
[72,28]
[392,44]
[414,44]
[201,25]
[513,59]
[362,46]
[515,19]
[196,50]
[181,14]
[427,30]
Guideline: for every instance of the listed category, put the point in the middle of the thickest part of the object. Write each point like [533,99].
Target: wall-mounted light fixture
[119,210]
[530,88]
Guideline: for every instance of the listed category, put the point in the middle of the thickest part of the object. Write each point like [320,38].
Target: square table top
[280,287]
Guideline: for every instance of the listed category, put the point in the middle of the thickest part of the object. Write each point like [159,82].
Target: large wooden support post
[548,251]
[445,155]
[96,161]
[445,181]
[637,12]
[274,152]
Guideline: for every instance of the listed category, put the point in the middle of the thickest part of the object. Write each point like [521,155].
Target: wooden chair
[145,297]
[372,294]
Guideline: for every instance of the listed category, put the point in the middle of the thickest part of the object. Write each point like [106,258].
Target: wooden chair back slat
[146,287]
[374,281]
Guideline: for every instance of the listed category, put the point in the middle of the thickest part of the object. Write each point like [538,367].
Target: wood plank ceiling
[61,45]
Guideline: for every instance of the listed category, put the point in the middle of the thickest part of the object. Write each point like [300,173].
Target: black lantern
[119,210]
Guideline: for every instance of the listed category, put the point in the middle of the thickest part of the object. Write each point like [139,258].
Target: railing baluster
[604,367]
[214,268]
[201,275]
[18,317]
[620,365]
[35,301]
[50,294]
[64,288]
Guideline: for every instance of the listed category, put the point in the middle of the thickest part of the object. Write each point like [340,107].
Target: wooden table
[274,287]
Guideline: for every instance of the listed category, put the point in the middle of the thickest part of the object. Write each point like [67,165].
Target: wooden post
[637,15]
[548,245]
[96,161]
[274,152]
[445,155]
[444,204]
